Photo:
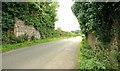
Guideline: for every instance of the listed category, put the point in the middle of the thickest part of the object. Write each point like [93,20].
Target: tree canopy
[41,15]
[98,18]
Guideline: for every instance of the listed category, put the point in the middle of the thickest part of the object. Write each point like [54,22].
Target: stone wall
[114,42]
[92,40]
[20,29]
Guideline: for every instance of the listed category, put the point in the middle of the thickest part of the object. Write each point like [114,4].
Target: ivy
[41,15]
[103,20]
[97,18]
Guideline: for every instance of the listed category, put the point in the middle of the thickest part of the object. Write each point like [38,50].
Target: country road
[60,54]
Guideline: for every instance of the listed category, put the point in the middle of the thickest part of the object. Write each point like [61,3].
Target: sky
[66,19]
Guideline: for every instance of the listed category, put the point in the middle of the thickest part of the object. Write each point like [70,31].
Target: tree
[98,18]
[41,15]
[101,19]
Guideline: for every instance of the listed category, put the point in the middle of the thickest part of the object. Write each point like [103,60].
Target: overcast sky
[66,19]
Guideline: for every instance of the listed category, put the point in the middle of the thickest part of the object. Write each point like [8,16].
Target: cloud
[67,21]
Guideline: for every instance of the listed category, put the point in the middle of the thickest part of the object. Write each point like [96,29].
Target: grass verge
[8,47]
[96,58]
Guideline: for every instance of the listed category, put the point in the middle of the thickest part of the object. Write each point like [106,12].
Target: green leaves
[97,17]
[41,15]
[95,59]
[102,20]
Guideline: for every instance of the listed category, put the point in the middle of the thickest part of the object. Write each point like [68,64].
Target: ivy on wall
[98,18]
[103,20]
[41,15]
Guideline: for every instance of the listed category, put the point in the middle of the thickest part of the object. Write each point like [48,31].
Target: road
[60,54]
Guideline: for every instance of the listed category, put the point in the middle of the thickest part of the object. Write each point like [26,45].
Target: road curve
[61,54]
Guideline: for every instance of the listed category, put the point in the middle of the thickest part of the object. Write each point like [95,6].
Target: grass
[8,47]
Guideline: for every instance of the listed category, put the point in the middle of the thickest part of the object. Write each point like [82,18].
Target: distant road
[61,54]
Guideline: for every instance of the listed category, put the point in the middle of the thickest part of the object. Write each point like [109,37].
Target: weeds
[96,58]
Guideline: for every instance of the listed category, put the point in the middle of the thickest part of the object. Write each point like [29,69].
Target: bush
[21,38]
[12,39]
[95,58]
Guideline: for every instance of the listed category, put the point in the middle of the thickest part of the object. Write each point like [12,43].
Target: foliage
[60,33]
[96,58]
[41,15]
[11,39]
[102,19]
[98,18]
[77,32]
